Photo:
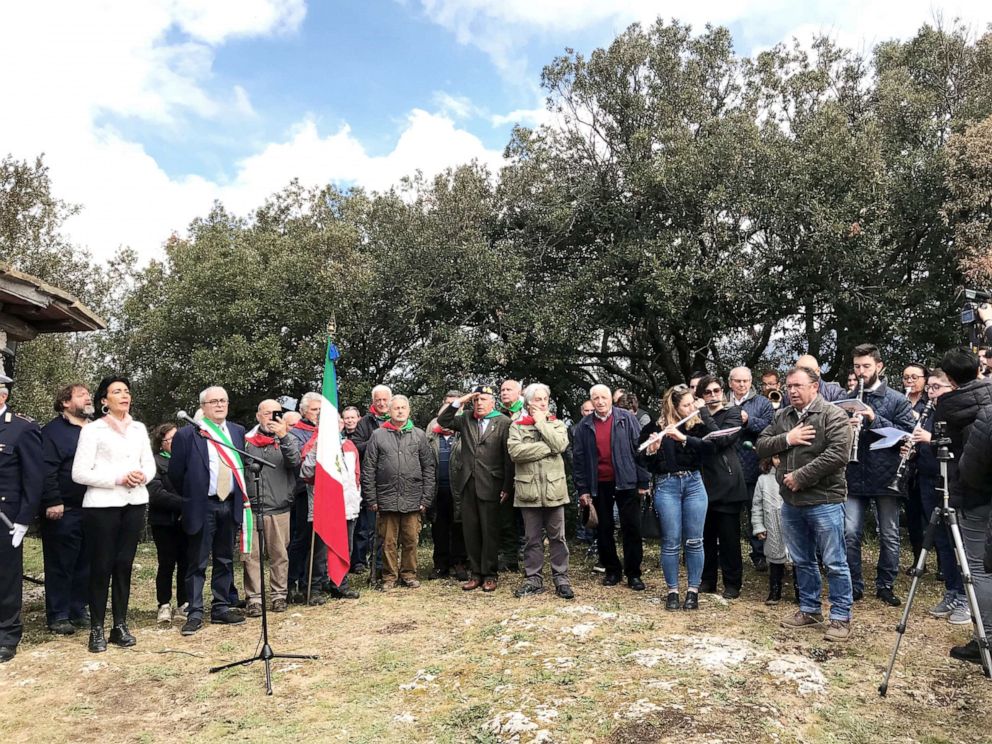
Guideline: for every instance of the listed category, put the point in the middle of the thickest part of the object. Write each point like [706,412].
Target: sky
[148,111]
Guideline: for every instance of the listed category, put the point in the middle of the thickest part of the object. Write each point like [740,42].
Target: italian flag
[328,487]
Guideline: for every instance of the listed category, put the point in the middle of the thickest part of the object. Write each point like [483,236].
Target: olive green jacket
[536,450]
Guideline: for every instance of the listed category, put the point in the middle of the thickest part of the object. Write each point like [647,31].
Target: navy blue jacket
[627,471]
[759,416]
[189,471]
[21,468]
[874,470]
[59,440]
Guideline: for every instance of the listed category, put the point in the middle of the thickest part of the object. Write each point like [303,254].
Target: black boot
[121,636]
[776,571]
[97,642]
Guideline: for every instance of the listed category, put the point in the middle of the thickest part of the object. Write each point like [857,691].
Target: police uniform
[21,481]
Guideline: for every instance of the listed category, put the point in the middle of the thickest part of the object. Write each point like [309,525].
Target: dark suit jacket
[189,471]
[486,460]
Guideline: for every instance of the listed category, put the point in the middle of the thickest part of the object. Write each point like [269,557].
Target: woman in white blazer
[114,460]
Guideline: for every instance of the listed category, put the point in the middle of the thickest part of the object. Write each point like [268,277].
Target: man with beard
[869,477]
[67,568]
[726,493]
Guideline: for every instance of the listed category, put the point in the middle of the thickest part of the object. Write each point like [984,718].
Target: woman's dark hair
[159,432]
[922,367]
[705,382]
[104,386]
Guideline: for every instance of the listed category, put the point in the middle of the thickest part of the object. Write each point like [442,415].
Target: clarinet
[857,427]
[896,483]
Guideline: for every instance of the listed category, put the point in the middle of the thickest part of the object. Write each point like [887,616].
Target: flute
[658,435]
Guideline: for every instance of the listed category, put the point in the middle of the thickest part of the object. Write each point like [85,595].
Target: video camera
[971,300]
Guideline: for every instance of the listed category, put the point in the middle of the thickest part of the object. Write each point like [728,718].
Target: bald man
[829,391]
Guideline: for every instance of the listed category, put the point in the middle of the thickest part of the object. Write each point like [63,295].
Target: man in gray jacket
[272,441]
[398,485]
[813,440]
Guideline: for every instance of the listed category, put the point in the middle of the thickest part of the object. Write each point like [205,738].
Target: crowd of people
[795,468]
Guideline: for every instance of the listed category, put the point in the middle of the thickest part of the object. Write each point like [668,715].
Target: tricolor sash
[222,445]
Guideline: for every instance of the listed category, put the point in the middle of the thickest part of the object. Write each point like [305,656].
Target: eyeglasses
[912,378]
[215,402]
[713,391]
[797,385]
[933,386]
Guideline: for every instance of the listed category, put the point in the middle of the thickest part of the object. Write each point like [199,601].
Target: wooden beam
[16,328]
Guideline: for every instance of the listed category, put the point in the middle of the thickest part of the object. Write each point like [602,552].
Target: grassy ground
[439,665]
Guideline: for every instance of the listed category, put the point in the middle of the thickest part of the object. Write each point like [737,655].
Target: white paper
[722,433]
[851,405]
[890,437]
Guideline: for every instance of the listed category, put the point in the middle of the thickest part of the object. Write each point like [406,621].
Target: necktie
[223,480]
[482,427]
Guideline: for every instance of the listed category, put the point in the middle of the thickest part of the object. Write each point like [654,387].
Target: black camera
[971,300]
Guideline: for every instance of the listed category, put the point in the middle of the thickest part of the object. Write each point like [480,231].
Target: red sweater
[604,448]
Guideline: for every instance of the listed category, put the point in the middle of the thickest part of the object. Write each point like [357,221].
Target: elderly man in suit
[210,479]
[485,478]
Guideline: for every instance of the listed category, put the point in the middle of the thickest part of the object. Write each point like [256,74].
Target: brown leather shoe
[489,585]
[471,584]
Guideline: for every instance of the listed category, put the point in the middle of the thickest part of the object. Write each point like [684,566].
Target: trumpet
[896,483]
[857,427]
[775,397]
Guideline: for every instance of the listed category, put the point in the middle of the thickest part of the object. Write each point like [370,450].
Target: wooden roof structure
[29,306]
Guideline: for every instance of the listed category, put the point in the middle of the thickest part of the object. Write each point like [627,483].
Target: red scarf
[378,416]
[407,426]
[304,426]
[529,420]
[311,443]
[261,440]
[442,431]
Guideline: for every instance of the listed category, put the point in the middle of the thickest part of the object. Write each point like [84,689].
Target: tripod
[943,517]
[265,654]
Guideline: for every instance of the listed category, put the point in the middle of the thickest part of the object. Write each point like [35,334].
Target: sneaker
[599,568]
[191,626]
[564,591]
[945,607]
[346,593]
[968,652]
[316,599]
[885,594]
[960,612]
[254,609]
[838,630]
[411,583]
[802,620]
[527,588]
[228,617]
[180,611]
[165,613]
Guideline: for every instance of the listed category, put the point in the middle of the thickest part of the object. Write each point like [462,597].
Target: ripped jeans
[681,501]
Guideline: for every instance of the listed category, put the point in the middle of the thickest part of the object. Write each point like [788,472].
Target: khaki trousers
[399,534]
[276,530]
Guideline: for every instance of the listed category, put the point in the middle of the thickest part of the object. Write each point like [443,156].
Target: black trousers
[916,517]
[447,535]
[170,545]
[722,547]
[111,535]
[629,506]
[216,539]
[757,546]
[11,576]
[67,567]
[480,525]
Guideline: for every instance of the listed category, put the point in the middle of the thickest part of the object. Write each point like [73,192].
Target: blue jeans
[809,530]
[887,513]
[941,539]
[681,505]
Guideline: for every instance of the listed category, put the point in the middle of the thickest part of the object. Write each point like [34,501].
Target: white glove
[20,530]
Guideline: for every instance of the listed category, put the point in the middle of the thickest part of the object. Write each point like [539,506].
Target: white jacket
[103,457]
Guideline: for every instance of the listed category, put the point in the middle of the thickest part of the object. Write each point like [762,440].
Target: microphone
[183,416]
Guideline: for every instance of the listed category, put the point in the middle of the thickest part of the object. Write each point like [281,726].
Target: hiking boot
[960,612]
[528,588]
[564,591]
[885,594]
[411,583]
[802,620]
[279,605]
[837,630]
[164,614]
[968,652]
[121,636]
[672,602]
[254,610]
[62,627]
[945,607]
[344,593]
[295,596]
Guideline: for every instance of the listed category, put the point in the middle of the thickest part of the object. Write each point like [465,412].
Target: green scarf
[166,455]
[393,427]
[492,414]
[514,406]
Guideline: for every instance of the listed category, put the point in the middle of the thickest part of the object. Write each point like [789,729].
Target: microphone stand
[265,654]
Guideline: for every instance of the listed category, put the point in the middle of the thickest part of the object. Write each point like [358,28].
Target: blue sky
[149,110]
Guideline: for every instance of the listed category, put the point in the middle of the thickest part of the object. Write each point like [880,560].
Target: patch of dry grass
[439,665]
